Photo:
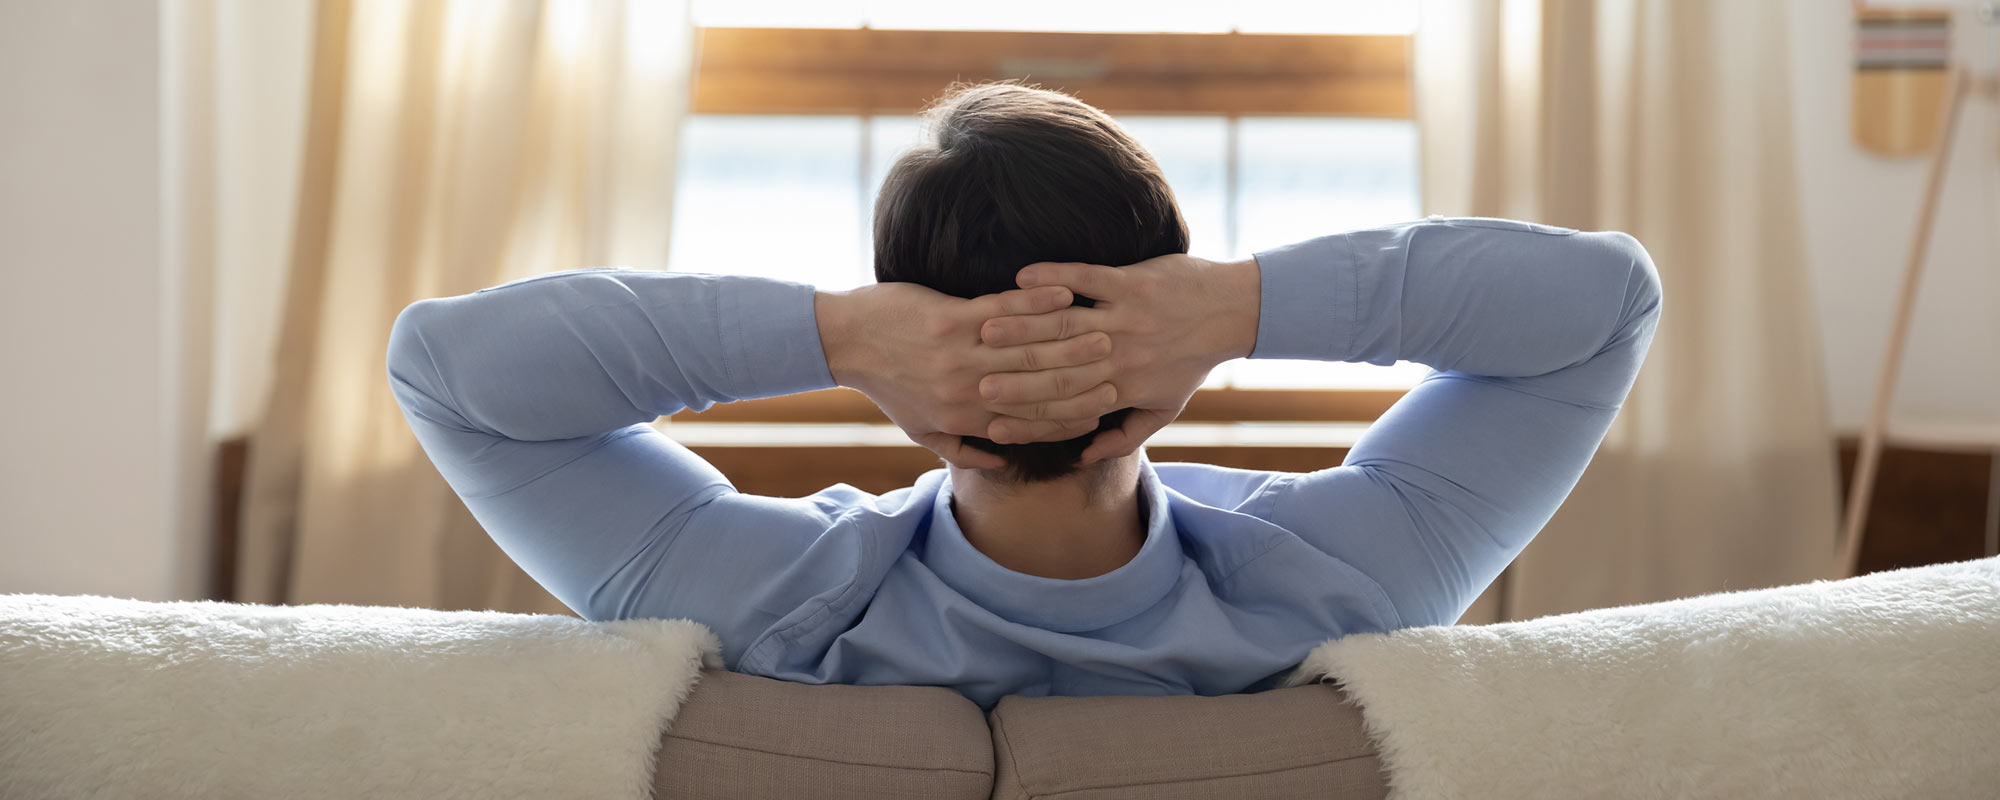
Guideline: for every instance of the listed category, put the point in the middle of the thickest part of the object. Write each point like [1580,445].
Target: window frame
[869,72]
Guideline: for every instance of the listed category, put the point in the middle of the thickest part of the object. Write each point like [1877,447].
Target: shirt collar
[1053,604]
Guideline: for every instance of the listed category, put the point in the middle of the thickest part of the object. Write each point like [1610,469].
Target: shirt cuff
[1306,308]
[771,338]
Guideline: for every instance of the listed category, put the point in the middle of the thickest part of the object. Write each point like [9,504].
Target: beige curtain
[449,146]
[1670,120]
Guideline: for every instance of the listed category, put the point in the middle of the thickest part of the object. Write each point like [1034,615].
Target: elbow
[414,374]
[408,351]
[1643,294]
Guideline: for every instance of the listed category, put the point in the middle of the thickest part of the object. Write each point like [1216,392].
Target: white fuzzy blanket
[119,698]
[1887,685]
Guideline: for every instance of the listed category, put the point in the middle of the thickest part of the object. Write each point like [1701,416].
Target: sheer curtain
[1670,120]
[449,146]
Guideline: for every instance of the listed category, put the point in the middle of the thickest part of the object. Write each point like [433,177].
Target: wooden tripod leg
[1899,333]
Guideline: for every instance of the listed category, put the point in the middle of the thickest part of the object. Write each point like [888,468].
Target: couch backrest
[740,736]
[1301,742]
[745,736]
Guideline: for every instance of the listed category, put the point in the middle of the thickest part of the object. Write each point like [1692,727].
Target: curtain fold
[1670,120]
[449,146]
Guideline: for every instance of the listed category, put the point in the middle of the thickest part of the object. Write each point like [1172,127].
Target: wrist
[837,317]
[1237,290]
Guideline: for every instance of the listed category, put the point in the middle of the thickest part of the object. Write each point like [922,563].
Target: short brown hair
[1006,175]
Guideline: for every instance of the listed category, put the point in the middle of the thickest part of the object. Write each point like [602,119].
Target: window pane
[776,196]
[1132,16]
[780,13]
[792,197]
[1307,177]
[1325,16]
[1144,16]
[1190,150]
[888,139]
[1193,151]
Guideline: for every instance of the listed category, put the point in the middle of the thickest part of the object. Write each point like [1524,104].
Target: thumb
[953,449]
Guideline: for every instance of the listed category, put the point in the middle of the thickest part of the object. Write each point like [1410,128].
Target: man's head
[1005,176]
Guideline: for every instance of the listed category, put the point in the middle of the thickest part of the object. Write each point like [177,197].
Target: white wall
[148,166]
[1860,212]
[87,491]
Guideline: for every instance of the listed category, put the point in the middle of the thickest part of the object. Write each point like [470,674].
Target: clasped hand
[1031,365]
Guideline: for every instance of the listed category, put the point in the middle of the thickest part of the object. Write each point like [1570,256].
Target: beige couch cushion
[743,736]
[1300,742]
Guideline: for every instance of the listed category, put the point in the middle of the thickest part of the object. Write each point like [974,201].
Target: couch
[1877,686]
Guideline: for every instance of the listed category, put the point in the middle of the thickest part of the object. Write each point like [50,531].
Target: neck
[1076,527]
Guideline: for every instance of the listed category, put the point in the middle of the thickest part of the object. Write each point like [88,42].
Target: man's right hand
[917,354]
[1171,320]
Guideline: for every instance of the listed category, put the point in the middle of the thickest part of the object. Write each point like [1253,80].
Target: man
[1048,556]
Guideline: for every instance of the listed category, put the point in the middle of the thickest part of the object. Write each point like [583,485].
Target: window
[1267,138]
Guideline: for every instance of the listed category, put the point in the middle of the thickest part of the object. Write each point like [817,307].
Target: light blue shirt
[534,398]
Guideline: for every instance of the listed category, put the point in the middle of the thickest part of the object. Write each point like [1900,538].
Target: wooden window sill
[1318,435]
[1208,405]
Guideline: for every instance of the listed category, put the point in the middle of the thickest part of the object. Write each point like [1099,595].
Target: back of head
[1005,176]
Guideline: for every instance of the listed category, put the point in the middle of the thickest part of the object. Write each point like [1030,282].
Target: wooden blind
[862,70]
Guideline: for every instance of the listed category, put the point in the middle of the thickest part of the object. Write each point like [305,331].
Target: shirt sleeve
[533,399]
[1534,335]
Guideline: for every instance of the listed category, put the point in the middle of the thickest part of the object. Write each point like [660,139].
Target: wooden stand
[1869,457]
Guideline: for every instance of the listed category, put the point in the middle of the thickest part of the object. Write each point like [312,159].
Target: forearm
[1511,301]
[581,353]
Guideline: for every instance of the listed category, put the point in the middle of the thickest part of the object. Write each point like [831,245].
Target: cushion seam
[824,759]
[1206,777]
[1013,757]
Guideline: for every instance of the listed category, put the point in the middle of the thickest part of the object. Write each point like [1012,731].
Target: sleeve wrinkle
[603,439]
[463,423]
[1275,541]
[681,513]
[792,632]
[1514,385]
[692,402]
[1402,487]
[416,411]
[1352,318]
[731,353]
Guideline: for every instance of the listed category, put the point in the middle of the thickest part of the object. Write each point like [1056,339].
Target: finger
[1100,400]
[1020,388]
[1013,430]
[1071,352]
[1090,280]
[1049,327]
[957,453]
[1138,427]
[1037,300]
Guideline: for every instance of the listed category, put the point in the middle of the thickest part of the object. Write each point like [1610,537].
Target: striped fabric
[1903,43]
